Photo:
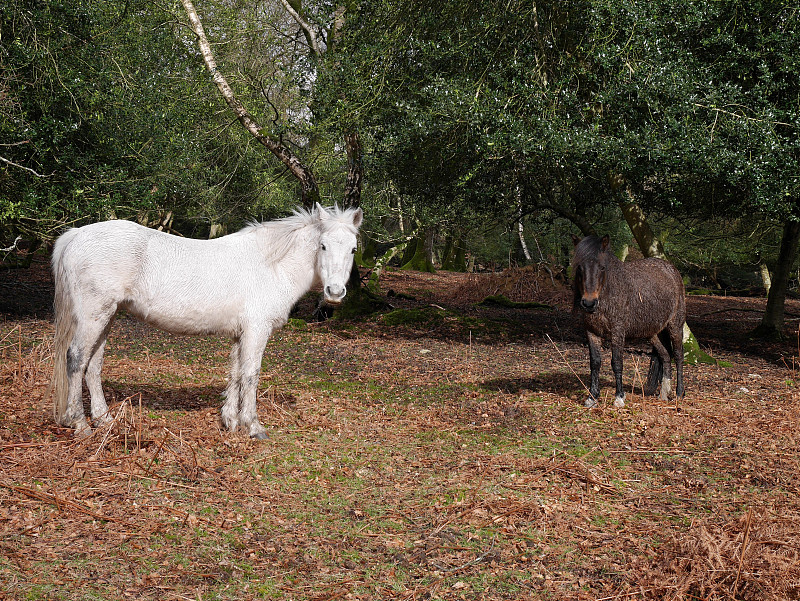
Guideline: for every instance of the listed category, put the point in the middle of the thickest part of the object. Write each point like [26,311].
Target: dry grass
[403,463]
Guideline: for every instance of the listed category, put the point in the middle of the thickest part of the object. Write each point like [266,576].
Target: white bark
[295,165]
[765,277]
[311,35]
[522,242]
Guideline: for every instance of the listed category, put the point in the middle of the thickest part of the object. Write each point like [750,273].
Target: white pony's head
[337,246]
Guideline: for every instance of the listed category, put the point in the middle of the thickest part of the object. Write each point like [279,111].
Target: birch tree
[304,175]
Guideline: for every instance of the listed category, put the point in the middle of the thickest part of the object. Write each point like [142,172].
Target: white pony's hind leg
[230,410]
[85,346]
[74,416]
[100,414]
[251,353]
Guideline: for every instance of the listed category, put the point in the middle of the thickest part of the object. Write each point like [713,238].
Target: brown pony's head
[589,271]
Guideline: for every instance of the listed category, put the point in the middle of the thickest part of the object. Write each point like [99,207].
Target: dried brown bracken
[404,463]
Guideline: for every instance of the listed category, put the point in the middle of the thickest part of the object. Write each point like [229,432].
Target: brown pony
[639,300]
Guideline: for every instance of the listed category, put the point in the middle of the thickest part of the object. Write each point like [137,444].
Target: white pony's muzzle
[334,293]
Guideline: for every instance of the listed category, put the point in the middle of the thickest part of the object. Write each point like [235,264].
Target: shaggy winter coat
[619,302]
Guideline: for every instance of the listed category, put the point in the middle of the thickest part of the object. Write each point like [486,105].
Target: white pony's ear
[321,212]
[358,217]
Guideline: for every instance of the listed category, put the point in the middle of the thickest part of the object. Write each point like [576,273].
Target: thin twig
[13,164]
[742,552]
[563,358]
[59,502]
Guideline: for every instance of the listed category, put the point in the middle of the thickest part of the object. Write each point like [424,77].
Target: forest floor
[436,450]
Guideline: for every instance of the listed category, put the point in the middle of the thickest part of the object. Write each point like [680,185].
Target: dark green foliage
[696,104]
[490,107]
[472,116]
[107,112]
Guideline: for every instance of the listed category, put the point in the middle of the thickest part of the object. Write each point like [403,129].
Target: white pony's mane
[278,237]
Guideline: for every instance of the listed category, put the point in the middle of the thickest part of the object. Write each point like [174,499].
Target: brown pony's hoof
[590,403]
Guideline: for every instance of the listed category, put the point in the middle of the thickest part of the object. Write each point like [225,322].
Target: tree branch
[28,169]
[311,36]
[13,247]
[580,221]
[293,163]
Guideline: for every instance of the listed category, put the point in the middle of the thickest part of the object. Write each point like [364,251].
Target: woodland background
[475,135]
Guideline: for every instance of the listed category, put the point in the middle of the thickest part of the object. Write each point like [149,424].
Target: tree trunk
[374,279]
[645,238]
[352,198]
[409,250]
[771,325]
[521,254]
[448,253]
[455,256]
[420,260]
[460,258]
[766,279]
[355,170]
[216,230]
[308,183]
[651,246]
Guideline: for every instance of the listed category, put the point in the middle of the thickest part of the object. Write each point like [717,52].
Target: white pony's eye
[323,247]
[354,251]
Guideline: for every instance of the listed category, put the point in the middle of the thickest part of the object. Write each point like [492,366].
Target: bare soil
[436,450]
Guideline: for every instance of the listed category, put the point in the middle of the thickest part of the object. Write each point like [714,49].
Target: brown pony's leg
[654,374]
[595,361]
[617,346]
[666,368]
[676,337]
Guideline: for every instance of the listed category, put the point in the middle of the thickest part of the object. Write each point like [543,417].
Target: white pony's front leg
[251,352]
[230,410]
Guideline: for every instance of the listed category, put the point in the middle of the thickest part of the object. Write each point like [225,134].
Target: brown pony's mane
[588,249]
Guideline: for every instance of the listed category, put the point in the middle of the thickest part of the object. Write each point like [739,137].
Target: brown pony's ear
[575,239]
[604,243]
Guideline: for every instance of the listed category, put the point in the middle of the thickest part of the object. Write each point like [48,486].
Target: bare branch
[311,36]
[28,169]
[13,247]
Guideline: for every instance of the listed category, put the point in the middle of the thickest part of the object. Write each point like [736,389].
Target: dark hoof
[259,436]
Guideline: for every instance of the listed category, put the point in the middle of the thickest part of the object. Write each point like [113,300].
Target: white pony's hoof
[257,431]
[82,429]
[103,421]
[619,402]
[230,424]
[590,402]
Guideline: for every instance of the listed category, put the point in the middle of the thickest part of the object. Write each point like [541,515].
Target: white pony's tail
[65,329]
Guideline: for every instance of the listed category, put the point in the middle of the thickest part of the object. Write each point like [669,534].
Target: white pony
[242,286]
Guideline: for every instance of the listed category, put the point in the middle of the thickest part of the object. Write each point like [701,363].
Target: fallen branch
[742,310]
[60,504]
